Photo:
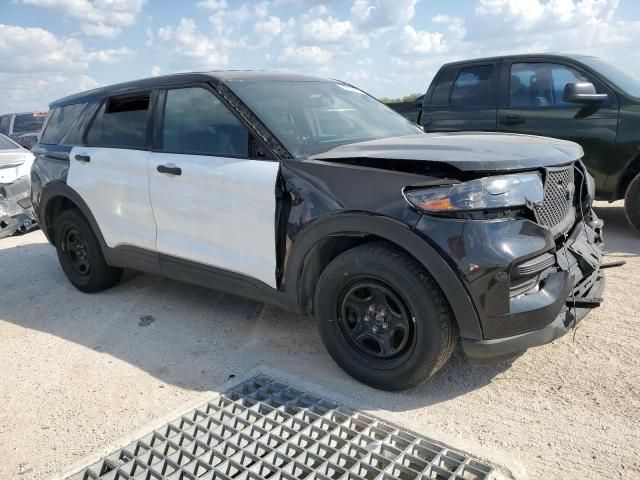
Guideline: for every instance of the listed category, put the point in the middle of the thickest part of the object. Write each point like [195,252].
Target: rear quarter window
[5,120]
[474,87]
[60,120]
[28,123]
[442,88]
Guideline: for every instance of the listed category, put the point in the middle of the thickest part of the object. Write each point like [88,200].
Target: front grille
[557,211]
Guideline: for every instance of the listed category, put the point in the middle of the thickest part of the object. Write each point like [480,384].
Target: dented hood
[477,151]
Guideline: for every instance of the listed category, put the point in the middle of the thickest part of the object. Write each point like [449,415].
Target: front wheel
[632,203]
[383,318]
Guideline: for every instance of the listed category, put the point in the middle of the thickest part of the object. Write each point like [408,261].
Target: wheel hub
[375,320]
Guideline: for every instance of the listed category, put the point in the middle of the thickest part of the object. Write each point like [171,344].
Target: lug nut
[366,318]
[385,326]
[375,329]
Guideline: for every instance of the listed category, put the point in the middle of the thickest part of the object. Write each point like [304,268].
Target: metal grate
[265,429]
[557,209]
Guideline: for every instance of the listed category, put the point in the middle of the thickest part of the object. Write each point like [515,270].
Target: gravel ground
[78,371]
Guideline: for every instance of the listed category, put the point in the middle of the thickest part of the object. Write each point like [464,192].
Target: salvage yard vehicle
[23,128]
[573,97]
[312,195]
[16,214]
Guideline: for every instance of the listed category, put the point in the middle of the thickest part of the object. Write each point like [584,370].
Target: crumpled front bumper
[578,280]
[16,213]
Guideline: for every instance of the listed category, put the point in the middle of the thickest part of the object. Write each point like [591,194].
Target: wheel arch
[329,236]
[57,197]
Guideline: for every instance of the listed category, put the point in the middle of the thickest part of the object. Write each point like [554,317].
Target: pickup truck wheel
[632,203]
[80,254]
[383,318]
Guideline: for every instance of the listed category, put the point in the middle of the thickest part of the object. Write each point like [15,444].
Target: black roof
[227,76]
[565,56]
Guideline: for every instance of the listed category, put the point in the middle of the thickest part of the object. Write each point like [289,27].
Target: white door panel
[219,212]
[115,186]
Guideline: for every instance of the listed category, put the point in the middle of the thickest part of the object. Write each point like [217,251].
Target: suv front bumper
[579,277]
[487,256]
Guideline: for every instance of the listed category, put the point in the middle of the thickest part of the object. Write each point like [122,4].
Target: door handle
[512,120]
[171,169]
[83,158]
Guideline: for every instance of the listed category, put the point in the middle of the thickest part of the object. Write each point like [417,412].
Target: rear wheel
[632,203]
[383,318]
[80,254]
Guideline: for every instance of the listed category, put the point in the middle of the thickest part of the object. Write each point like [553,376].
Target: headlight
[504,191]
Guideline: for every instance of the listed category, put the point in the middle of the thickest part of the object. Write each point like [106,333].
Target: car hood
[477,151]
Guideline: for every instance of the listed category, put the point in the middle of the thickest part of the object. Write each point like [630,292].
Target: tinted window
[60,119]
[6,144]
[473,87]
[441,91]
[121,122]
[28,123]
[195,121]
[4,124]
[540,84]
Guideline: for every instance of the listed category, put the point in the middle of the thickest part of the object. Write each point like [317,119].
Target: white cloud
[35,49]
[212,4]
[99,18]
[303,55]
[417,42]
[186,41]
[155,71]
[330,30]
[382,14]
[32,91]
[268,29]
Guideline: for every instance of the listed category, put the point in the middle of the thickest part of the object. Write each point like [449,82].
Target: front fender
[397,233]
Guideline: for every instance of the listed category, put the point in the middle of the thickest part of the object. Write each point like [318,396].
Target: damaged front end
[16,212]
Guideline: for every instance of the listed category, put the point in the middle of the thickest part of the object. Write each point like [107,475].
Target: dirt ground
[78,371]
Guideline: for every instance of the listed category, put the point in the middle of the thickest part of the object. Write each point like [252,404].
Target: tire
[632,203]
[377,274]
[80,254]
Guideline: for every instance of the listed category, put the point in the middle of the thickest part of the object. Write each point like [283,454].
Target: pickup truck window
[441,91]
[540,84]
[473,87]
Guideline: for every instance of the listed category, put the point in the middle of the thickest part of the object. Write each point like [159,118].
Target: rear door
[531,102]
[110,171]
[213,204]
[463,98]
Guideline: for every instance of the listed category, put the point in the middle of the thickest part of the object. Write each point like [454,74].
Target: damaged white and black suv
[312,195]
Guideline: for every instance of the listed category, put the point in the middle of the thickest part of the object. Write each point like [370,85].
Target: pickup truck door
[531,102]
[463,97]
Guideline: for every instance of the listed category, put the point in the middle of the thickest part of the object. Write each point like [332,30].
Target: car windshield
[6,144]
[28,123]
[311,117]
[620,78]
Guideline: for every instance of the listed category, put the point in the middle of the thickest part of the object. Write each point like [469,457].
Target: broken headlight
[486,193]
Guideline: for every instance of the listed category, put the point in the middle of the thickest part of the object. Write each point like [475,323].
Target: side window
[60,120]
[4,124]
[121,122]
[196,122]
[473,87]
[440,95]
[540,84]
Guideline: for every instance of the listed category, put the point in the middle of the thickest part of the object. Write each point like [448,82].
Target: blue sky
[51,48]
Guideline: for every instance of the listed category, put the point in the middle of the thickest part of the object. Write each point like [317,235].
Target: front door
[213,204]
[531,102]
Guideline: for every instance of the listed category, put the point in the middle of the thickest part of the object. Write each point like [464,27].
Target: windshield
[28,123]
[625,81]
[6,144]
[311,117]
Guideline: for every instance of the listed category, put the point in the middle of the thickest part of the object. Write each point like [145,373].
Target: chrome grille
[557,210]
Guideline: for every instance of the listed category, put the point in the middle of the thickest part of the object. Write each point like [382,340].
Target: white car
[16,213]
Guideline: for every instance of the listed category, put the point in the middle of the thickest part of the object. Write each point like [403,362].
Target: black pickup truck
[572,97]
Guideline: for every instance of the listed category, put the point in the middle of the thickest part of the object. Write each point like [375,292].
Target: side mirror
[583,92]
